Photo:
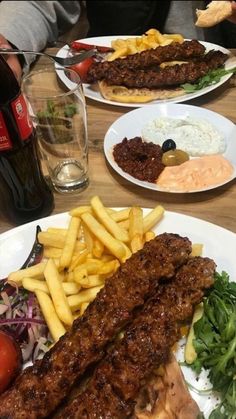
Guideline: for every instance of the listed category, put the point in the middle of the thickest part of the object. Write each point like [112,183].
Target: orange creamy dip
[196,174]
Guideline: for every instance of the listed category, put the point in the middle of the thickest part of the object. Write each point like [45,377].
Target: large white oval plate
[219,244]
[131,124]
[92,92]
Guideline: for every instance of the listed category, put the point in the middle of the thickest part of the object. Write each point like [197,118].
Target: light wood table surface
[217,206]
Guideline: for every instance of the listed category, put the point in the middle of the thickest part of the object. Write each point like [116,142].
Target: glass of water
[57,106]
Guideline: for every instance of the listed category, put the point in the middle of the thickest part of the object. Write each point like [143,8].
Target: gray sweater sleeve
[34,24]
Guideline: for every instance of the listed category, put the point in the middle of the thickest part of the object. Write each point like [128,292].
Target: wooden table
[217,206]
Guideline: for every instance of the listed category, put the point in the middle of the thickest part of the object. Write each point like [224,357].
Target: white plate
[16,244]
[131,124]
[91,92]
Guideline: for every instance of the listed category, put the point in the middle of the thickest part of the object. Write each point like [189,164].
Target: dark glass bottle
[24,193]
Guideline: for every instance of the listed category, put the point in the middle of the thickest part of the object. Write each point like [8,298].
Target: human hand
[232,18]
[12,60]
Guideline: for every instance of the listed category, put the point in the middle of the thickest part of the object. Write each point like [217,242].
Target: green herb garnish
[215,344]
[212,77]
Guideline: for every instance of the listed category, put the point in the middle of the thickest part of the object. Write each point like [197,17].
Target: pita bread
[142,95]
[216,12]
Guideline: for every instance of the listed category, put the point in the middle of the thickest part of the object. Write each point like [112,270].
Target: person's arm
[34,24]
[233,17]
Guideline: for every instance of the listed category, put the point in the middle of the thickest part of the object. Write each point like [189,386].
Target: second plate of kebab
[176,71]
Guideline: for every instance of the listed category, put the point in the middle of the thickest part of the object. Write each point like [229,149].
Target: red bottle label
[22,118]
[5,141]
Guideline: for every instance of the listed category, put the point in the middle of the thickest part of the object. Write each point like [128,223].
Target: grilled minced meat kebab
[146,344]
[151,78]
[41,388]
[156,56]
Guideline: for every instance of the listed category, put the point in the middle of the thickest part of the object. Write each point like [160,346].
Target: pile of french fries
[78,260]
[151,39]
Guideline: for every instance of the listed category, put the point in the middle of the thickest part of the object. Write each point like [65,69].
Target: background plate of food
[16,244]
[114,93]
[173,148]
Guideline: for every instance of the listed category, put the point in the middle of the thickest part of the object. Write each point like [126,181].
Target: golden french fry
[76,212]
[152,218]
[108,267]
[57,293]
[53,322]
[104,236]
[98,248]
[136,243]
[87,295]
[124,224]
[88,237]
[78,260]
[136,222]
[70,242]
[35,271]
[83,308]
[107,221]
[80,274]
[127,253]
[149,235]
[196,249]
[52,252]
[55,230]
[31,284]
[120,215]
[91,281]
[51,239]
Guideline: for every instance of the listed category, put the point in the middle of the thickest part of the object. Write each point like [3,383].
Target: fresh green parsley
[212,77]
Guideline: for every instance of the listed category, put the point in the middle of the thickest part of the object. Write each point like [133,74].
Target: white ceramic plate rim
[106,41]
[15,245]
[130,124]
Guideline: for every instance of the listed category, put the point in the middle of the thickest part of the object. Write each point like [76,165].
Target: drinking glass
[57,106]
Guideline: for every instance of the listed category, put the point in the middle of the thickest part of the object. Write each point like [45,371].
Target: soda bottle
[24,193]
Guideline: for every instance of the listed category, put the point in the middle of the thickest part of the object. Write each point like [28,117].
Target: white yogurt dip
[195,136]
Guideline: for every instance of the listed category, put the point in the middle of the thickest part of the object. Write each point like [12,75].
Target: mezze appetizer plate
[134,124]
[92,91]
[16,244]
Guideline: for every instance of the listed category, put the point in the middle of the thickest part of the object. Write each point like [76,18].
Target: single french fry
[128,253]
[80,274]
[91,281]
[55,230]
[70,242]
[87,295]
[53,322]
[108,267]
[78,260]
[124,224]
[51,239]
[31,284]
[98,248]
[69,276]
[35,271]
[108,222]
[120,215]
[136,243]
[57,293]
[152,218]
[196,249]
[70,288]
[83,308]
[104,236]
[149,235]
[88,238]
[52,252]
[136,222]
[76,212]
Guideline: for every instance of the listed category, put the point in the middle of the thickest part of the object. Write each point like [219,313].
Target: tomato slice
[79,46]
[10,360]
[83,67]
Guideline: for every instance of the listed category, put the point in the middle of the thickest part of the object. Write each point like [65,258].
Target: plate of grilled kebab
[149,298]
[172,72]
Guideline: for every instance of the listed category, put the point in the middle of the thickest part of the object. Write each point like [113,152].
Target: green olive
[174,157]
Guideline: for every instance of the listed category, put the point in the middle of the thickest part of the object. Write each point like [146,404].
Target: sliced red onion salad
[20,315]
